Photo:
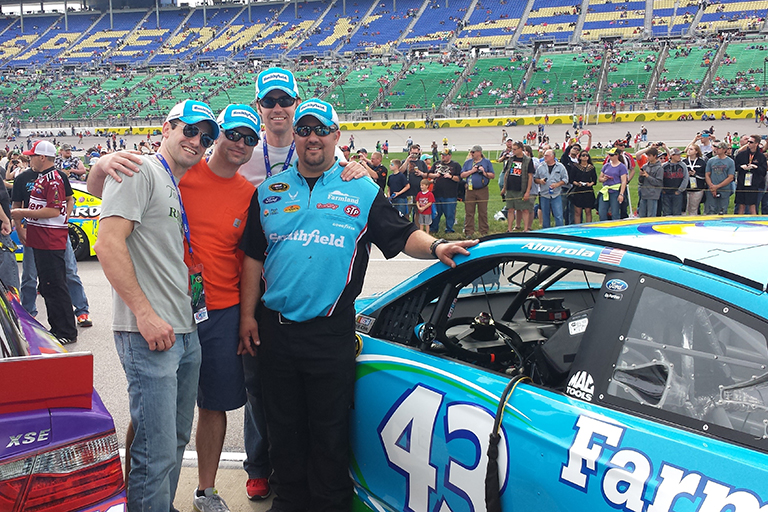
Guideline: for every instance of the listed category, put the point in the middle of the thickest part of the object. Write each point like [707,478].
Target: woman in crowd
[613,176]
[582,196]
[697,167]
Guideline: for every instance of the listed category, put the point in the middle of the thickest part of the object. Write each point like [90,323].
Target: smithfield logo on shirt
[279,187]
[352,210]
[313,237]
[327,206]
[341,197]
[292,208]
[272,199]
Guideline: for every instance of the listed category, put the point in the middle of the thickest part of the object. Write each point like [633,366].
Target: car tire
[79,241]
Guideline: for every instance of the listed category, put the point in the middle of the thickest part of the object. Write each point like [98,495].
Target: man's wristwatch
[433,247]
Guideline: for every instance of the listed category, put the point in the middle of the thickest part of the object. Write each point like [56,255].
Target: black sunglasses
[320,130]
[283,101]
[191,131]
[235,136]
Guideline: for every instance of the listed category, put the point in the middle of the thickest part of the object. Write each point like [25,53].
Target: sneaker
[257,489]
[210,502]
[84,320]
[66,341]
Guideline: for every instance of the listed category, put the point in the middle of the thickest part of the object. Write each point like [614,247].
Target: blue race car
[617,365]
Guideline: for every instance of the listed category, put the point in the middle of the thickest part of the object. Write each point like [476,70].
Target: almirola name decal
[559,249]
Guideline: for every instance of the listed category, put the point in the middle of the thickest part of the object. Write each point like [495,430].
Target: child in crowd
[398,186]
[424,201]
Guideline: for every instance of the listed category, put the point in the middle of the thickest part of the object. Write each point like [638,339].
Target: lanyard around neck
[287,162]
[184,220]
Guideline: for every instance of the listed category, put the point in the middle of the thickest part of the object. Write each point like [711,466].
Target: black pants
[308,377]
[52,276]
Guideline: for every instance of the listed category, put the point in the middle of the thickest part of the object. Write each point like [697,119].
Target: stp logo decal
[271,199]
[279,187]
[352,210]
[331,206]
[292,208]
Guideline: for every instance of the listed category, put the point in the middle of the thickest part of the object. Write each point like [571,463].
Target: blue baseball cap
[237,115]
[193,112]
[276,78]
[318,109]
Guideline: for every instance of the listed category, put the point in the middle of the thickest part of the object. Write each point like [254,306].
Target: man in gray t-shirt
[141,249]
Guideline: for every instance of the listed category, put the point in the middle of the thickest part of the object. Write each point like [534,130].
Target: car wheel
[79,242]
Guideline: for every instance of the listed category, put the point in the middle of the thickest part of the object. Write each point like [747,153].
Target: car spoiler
[46,381]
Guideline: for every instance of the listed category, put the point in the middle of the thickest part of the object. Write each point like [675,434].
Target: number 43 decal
[417,451]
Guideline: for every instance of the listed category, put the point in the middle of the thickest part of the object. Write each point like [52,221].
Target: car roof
[734,244]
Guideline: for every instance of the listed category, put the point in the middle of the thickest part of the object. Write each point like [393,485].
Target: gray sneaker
[211,502]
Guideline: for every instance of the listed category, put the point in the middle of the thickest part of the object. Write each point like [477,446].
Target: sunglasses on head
[190,131]
[320,130]
[235,136]
[283,101]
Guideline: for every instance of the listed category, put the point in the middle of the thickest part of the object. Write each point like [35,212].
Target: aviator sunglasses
[191,131]
[283,101]
[320,130]
[235,136]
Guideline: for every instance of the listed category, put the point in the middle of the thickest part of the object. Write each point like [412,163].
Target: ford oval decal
[616,285]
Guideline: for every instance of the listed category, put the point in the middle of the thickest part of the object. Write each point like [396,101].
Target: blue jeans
[9,269]
[162,387]
[647,207]
[444,206]
[717,205]
[29,282]
[568,212]
[256,463]
[401,204]
[672,204]
[553,205]
[612,203]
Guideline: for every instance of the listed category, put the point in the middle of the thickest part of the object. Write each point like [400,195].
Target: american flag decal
[609,255]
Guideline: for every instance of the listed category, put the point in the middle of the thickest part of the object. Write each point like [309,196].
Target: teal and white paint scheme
[630,360]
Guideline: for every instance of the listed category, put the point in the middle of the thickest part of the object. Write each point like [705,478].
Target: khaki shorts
[515,201]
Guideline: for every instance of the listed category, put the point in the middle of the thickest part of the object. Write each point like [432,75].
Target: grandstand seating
[187,36]
[200,28]
[381,29]
[628,72]
[564,78]
[56,40]
[493,82]
[684,15]
[361,85]
[491,24]
[284,31]
[333,28]
[730,14]
[601,20]
[406,93]
[101,38]
[235,39]
[436,26]
[741,72]
[551,19]
[684,70]
[142,43]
